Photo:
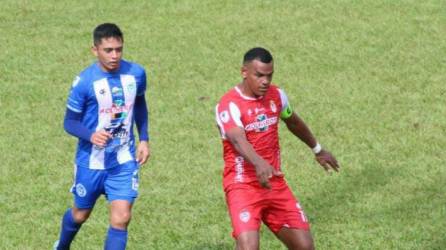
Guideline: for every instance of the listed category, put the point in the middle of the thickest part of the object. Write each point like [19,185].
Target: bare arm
[298,127]
[264,170]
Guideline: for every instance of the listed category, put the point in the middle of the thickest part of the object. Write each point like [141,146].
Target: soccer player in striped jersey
[256,191]
[105,100]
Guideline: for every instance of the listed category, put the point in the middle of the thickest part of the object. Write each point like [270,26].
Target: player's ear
[94,50]
[244,71]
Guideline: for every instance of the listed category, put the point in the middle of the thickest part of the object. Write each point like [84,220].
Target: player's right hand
[265,172]
[100,138]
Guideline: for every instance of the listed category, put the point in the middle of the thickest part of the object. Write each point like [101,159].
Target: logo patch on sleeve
[224,116]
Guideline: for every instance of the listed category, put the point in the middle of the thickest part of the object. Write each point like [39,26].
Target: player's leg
[86,190]
[287,220]
[248,241]
[244,205]
[121,188]
[296,238]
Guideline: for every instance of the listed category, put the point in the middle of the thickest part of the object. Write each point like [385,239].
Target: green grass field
[367,76]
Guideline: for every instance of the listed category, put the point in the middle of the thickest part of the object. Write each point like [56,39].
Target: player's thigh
[88,186]
[245,206]
[122,182]
[296,238]
[284,211]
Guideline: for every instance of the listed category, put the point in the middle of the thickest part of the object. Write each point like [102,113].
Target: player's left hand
[327,160]
[142,152]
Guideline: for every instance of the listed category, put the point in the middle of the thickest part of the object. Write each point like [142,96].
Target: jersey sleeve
[228,116]
[142,84]
[286,111]
[78,96]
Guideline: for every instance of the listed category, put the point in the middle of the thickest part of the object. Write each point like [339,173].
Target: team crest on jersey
[80,190]
[272,105]
[244,216]
[131,87]
[224,116]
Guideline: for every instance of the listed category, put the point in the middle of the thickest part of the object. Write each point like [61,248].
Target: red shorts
[250,204]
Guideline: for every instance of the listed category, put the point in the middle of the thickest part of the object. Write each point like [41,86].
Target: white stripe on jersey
[284,99]
[129,88]
[103,95]
[220,125]
[74,109]
[235,114]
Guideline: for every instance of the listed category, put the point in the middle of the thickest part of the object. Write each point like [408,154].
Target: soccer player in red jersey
[248,117]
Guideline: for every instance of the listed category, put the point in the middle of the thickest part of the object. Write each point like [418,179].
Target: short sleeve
[286,111]
[77,97]
[227,115]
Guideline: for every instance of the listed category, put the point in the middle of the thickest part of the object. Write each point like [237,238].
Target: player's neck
[244,89]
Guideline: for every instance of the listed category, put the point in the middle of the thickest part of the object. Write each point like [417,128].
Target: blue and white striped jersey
[106,101]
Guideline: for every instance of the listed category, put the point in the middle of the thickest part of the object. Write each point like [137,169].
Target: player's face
[257,77]
[109,53]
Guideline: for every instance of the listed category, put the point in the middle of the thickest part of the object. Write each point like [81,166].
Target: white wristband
[317,149]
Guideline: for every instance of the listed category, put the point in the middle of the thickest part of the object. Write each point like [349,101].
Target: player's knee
[80,215]
[121,219]
[247,243]
[306,245]
[303,244]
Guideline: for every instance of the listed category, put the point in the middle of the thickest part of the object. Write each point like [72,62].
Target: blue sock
[68,230]
[116,239]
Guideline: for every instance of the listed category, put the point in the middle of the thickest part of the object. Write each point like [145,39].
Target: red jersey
[259,117]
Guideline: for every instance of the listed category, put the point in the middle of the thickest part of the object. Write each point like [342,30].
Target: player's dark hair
[257,53]
[106,30]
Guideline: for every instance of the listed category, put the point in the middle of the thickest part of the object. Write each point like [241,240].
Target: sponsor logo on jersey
[244,216]
[80,190]
[239,168]
[224,116]
[262,124]
[118,102]
[116,109]
[258,110]
[102,91]
[116,91]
